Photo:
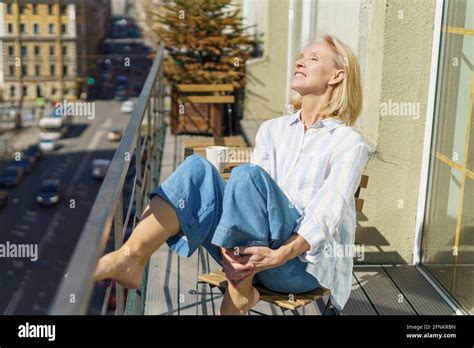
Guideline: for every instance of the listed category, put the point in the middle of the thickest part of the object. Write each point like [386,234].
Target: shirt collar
[330,123]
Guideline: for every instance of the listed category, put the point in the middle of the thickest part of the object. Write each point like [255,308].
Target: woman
[281,220]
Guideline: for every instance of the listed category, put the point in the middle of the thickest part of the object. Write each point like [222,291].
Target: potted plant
[206,44]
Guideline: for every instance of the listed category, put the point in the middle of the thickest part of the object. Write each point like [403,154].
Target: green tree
[205,41]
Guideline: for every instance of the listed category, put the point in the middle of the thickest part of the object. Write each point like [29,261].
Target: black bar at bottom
[287,330]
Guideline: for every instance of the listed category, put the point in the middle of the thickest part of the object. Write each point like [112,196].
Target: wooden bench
[285,302]
[198,108]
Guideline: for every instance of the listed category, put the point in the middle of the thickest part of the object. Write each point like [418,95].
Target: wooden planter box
[199,109]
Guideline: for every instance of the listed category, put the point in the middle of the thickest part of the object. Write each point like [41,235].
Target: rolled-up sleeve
[325,211]
[260,154]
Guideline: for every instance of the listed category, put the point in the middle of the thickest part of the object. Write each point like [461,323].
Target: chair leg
[327,306]
[295,312]
[210,287]
[197,282]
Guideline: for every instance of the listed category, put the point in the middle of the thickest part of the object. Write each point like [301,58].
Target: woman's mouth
[298,73]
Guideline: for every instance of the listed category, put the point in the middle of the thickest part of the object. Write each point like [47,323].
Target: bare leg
[126,265]
[239,300]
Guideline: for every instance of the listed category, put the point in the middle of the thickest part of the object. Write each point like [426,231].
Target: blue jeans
[249,210]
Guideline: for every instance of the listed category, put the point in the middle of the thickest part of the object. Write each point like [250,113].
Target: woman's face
[315,70]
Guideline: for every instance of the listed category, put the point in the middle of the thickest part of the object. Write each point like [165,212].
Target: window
[24,51]
[63,29]
[63,10]
[51,50]
[51,28]
[23,28]
[53,91]
[11,50]
[37,70]
[22,9]
[9,9]
[10,28]
[25,91]
[12,91]
[12,70]
[35,9]
[64,50]
[79,28]
[51,70]
[65,70]
[50,10]
[24,70]
[447,244]
[36,28]
[37,50]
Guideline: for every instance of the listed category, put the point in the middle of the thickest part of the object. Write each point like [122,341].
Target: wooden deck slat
[418,291]
[358,303]
[382,292]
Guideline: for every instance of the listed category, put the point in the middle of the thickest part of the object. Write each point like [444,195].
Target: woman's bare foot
[235,303]
[121,266]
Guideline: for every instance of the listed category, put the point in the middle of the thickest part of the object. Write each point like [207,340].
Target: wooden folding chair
[285,302]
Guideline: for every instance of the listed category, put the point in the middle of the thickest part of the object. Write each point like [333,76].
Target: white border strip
[425,164]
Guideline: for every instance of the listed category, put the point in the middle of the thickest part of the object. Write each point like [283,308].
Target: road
[28,287]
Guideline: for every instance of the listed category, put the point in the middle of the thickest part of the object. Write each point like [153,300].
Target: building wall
[86,25]
[393,42]
[265,95]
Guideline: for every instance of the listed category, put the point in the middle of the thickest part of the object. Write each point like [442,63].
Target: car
[115,134]
[100,167]
[121,94]
[33,151]
[27,163]
[127,107]
[3,198]
[49,142]
[11,177]
[50,192]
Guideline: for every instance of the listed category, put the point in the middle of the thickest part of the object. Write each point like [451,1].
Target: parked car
[115,134]
[33,151]
[100,167]
[27,163]
[50,193]
[127,107]
[11,177]
[49,142]
[3,198]
[121,94]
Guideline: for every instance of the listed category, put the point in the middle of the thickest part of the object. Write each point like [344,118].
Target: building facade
[416,61]
[47,47]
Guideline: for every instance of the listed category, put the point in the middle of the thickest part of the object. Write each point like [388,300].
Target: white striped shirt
[319,171]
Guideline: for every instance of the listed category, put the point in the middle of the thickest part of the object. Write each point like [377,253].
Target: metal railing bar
[91,244]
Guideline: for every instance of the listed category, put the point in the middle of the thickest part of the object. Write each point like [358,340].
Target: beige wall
[393,41]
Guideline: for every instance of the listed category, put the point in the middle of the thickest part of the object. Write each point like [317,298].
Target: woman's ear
[337,77]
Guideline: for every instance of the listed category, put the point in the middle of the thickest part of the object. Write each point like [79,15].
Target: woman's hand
[234,266]
[261,258]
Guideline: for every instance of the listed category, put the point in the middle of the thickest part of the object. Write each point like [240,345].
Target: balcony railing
[142,144]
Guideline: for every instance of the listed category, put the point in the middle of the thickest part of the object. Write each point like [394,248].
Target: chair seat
[284,301]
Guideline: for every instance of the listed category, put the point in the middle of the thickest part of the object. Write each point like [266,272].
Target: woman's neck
[311,106]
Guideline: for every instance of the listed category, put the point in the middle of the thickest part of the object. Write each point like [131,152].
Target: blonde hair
[345,101]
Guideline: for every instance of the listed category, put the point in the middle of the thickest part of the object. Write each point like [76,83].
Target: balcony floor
[376,289]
